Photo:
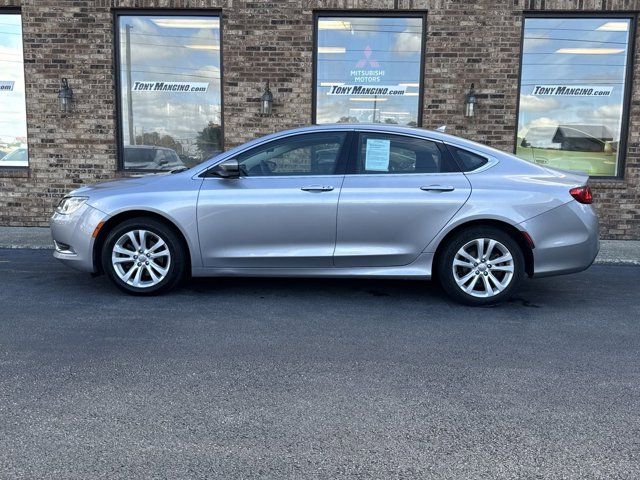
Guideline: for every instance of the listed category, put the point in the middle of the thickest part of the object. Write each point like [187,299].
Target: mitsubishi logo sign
[367,59]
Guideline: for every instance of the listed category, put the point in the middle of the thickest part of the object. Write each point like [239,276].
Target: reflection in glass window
[368,70]
[13,120]
[170,112]
[572,93]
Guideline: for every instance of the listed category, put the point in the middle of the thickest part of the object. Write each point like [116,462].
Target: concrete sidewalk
[612,252]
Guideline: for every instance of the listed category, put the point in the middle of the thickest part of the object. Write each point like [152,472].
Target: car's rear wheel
[143,256]
[481,266]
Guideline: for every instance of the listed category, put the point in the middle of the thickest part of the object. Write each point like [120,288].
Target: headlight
[70,204]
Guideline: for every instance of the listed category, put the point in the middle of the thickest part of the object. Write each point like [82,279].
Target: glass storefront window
[572,93]
[13,121]
[170,96]
[368,69]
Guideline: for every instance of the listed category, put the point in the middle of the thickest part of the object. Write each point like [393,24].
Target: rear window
[468,161]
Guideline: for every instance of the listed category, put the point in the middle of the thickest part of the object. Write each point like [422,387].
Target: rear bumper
[73,237]
[565,238]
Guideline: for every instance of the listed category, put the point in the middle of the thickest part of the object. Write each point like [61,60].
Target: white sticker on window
[377,155]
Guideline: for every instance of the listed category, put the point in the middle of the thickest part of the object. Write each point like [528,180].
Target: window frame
[352,167]
[164,12]
[317,14]
[27,167]
[628,88]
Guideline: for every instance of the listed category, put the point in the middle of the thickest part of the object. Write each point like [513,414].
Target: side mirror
[227,169]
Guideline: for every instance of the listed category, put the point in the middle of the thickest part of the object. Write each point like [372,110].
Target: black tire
[445,267]
[176,261]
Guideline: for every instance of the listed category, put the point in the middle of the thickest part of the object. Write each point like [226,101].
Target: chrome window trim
[400,134]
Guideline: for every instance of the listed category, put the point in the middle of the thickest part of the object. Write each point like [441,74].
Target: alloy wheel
[483,267]
[141,258]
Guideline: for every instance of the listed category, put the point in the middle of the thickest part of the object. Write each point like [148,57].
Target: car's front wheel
[481,266]
[143,256]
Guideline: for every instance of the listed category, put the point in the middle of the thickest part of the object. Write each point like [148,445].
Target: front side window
[170,96]
[381,153]
[311,154]
[572,93]
[368,69]
[13,120]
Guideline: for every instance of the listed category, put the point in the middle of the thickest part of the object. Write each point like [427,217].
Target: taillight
[582,194]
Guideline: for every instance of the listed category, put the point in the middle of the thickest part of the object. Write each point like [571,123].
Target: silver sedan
[337,201]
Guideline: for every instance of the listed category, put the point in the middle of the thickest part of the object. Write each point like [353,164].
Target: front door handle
[438,188]
[317,188]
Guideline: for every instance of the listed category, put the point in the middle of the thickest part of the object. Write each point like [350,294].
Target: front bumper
[565,239]
[73,236]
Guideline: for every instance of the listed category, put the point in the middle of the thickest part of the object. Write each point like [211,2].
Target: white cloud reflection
[532,103]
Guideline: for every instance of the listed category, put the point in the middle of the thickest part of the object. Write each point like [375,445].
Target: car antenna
[441,128]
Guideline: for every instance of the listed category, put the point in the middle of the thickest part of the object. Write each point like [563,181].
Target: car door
[398,194]
[281,211]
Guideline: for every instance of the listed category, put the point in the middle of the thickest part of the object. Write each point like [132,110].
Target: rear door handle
[438,188]
[317,188]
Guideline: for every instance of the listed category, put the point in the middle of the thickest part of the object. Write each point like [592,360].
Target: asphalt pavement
[290,378]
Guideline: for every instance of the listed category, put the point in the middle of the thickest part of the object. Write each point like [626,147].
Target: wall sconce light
[266,101]
[65,96]
[470,102]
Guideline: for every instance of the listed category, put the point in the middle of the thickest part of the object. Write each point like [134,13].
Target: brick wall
[467,42]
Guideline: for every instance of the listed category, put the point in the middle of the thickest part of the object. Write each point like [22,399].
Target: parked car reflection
[150,157]
[16,158]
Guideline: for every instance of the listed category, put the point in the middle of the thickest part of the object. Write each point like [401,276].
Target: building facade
[157,84]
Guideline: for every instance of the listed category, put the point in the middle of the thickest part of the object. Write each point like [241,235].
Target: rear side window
[384,153]
[468,161]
